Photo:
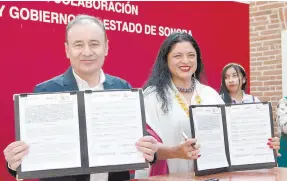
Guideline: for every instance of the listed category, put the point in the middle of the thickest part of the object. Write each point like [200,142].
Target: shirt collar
[244,98]
[83,84]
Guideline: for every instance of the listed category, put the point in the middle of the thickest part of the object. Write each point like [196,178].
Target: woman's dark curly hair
[160,76]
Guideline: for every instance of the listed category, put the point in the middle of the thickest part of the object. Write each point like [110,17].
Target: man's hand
[14,153]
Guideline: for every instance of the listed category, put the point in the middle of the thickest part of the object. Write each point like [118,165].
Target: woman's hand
[186,151]
[274,143]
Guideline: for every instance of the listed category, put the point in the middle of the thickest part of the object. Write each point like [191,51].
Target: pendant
[198,99]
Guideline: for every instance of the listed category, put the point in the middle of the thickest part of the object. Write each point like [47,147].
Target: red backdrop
[33,51]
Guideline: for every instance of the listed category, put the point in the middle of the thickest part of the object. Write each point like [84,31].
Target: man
[86,47]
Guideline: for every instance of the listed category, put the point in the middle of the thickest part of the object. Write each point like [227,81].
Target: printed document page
[209,134]
[114,125]
[49,124]
[249,129]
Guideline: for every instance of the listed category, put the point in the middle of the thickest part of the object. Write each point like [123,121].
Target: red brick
[252,83]
[279,66]
[279,87]
[260,13]
[258,93]
[269,37]
[267,67]
[255,64]
[253,50]
[272,21]
[261,2]
[256,54]
[267,83]
[275,47]
[253,9]
[255,73]
[263,48]
[271,6]
[279,57]
[264,98]
[253,77]
[252,69]
[254,38]
[252,59]
[272,77]
[274,26]
[254,34]
[274,16]
[270,32]
[273,99]
[255,44]
[271,62]
[263,77]
[281,15]
[272,57]
[260,28]
[272,52]
[272,72]
[261,18]
[262,58]
[271,42]
[252,88]
[273,93]
[260,23]
[266,88]
[279,77]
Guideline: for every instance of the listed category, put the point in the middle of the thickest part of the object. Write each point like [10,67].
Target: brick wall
[267,20]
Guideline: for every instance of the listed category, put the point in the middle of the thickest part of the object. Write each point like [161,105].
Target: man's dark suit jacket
[67,82]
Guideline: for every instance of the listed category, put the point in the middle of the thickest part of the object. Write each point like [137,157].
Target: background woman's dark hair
[223,89]
[160,76]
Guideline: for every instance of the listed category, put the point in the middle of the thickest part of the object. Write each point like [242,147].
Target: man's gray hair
[83,19]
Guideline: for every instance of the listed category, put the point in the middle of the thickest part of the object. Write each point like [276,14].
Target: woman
[281,118]
[173,85]
[233,85]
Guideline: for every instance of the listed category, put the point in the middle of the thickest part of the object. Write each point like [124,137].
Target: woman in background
[232,91]
[233,85]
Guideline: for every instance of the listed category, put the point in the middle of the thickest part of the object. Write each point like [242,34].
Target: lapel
[108,84]
[69,81]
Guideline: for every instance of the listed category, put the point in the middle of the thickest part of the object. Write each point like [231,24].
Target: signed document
[83,132]
[233,137]
[114,125]
[50,126]
[249,129]
[210,136]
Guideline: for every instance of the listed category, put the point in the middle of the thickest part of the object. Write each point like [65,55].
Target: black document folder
[233,134]
[28,110]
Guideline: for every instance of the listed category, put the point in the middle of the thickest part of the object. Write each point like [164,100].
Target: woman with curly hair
[174,85]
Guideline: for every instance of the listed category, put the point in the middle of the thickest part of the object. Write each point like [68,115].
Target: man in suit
[86,47]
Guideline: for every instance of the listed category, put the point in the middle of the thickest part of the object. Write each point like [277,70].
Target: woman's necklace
[187,90]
